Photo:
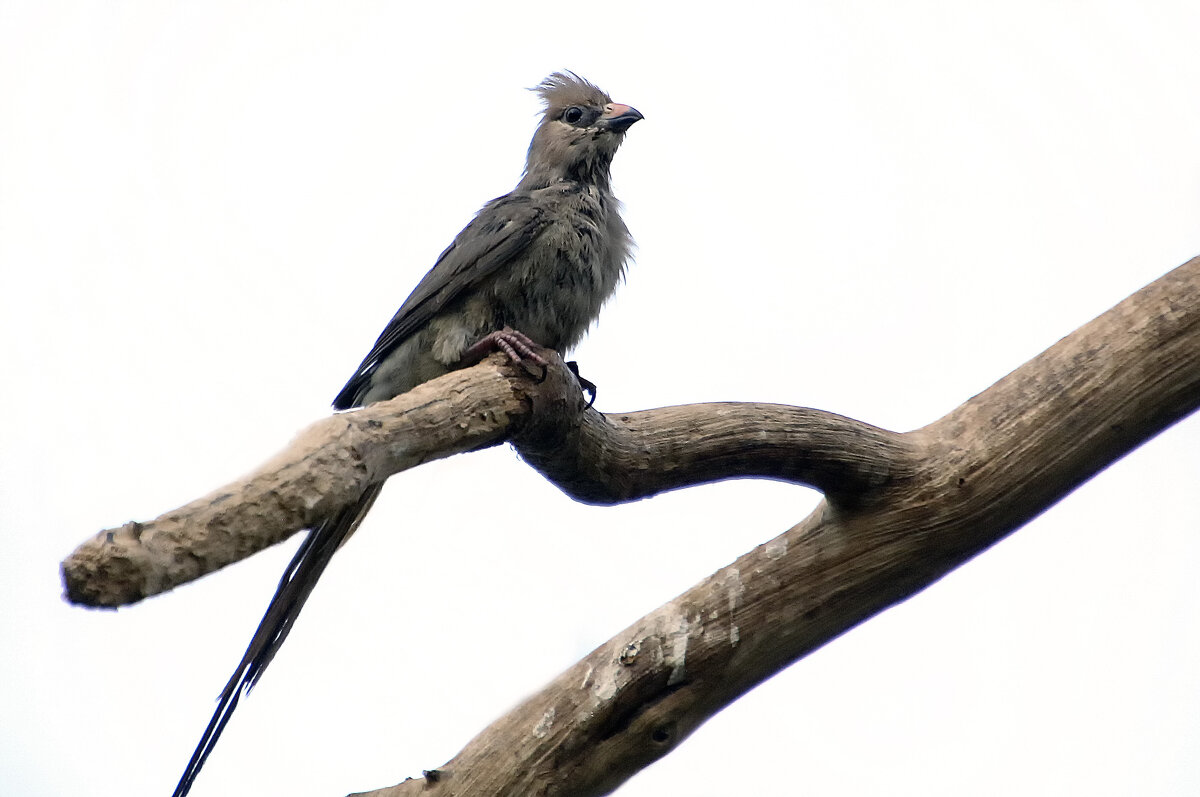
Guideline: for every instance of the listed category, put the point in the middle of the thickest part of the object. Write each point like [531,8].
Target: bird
[533,268]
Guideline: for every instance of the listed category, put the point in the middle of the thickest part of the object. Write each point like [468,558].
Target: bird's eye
[572,115]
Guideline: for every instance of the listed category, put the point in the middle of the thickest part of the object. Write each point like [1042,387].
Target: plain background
[208,210]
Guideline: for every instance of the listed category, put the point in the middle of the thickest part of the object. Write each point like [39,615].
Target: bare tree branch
[326,467]
[597,458]
[970,479]
[900,512]
[610,459]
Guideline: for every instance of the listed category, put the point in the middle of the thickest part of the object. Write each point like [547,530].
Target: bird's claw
[516,345]
[588,386]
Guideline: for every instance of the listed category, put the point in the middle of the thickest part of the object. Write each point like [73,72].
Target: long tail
[298,580]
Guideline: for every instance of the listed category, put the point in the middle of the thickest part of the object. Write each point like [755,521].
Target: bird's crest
[564,89]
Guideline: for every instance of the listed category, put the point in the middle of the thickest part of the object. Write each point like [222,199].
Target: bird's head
[580,131]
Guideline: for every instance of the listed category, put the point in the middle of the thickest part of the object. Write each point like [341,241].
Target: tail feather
[297,583]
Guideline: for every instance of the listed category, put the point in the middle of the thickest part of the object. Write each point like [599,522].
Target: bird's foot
[588,386]
[516,345]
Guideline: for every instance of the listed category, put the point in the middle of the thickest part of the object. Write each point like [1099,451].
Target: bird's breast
[555,289]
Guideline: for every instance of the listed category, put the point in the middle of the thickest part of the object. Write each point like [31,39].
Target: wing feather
[502,230]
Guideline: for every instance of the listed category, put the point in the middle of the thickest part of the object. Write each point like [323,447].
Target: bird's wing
[504,228]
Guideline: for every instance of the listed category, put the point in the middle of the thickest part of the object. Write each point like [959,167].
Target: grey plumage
[540,260]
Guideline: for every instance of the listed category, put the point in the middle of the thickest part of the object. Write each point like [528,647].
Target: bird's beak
[618,117]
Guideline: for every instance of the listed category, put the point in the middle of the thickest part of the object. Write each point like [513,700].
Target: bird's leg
[588,386]
[516,345]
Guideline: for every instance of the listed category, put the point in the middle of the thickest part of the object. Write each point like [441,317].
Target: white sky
[208,210]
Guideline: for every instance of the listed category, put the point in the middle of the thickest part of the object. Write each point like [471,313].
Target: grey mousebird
[534,266]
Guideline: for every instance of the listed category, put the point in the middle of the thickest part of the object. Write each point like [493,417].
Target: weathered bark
[327,466]
[901,510]
[606,459]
